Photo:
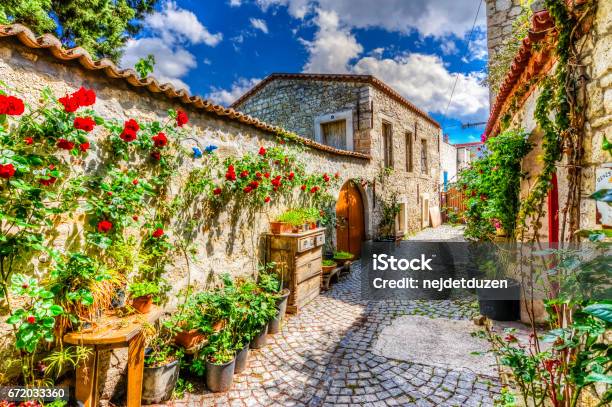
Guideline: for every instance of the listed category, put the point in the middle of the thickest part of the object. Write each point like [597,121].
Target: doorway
[350,225]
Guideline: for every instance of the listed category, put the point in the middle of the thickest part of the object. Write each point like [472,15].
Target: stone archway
[350,219]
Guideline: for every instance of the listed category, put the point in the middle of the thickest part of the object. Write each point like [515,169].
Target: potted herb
[342,257]
[220,363]
[161,371]
[328,265]
[311,217]
[294,218]
[142,294]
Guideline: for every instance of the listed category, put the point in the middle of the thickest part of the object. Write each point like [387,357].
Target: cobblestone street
[323,356]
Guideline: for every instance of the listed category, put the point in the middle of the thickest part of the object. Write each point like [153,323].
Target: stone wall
[225,247]
[500,16]
[294,103]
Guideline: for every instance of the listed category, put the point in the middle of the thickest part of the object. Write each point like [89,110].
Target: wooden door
[350,228]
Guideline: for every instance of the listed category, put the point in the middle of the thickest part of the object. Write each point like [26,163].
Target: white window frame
[346,115]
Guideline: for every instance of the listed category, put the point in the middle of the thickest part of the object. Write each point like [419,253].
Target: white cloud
[478,47]
[173,28]
[226,97]
[333,46]
[259,24]
[425,81]
[235,3]
[449,47]
[437,18]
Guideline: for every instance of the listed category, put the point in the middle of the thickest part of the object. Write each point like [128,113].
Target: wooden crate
[299,257]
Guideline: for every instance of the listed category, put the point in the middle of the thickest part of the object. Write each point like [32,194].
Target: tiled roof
[372,80]
[473,144]
[526,65]
[108,68]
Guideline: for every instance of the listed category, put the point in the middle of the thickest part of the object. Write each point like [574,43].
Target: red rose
[84,146]
[181,118]
[244,174]
[65,144]
[267,175]
[109,193]
[159,232]
[70,104]
[84,123]
[127,135]
[254,184]
[10,105]
[262,151]
[31,319]
[131,124]
[511,338]
[85,97]
[156,155]
[28,140]
[247,189]
[313,190]
[48,181]
[7,171]
[135,217]
[104,226]
[160,140]
[303,187]
[326,177]
[135,181]
[267,199]
[291,176]
[275,188]
[217,191]
[258,175]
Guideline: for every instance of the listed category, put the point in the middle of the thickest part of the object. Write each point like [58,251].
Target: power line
[466,51]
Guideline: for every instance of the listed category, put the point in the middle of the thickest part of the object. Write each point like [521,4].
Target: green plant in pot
[220,362]
[190,325]
[328,265]
[294,218]
[143,293]
[161,371]
[341,257]
[270,281]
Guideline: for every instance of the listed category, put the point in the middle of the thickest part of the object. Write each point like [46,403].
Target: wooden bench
[112,332]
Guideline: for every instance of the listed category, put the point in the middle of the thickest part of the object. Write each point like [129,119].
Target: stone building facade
[517,98]
[374,120]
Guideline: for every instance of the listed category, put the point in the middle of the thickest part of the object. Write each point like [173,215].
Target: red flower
[104,226]
[65,144]
[254,184]
[84,123]
[135,181]
[258,175]
[230,175]
[511,338]
[282,141]
[159,232]
[156,155]
[551,364]
[217,191]
[7,171]
[181,118]
[127,135]
[326,177]
[135,217]
[85,97]
[267,175]
[483,197]
[84,146]
[160,140]
[291,176]
[337,175]
[313,189]
[70,104]
[11,105]
[267,199]
[28,140]
[286,160]
[244,174]
[132,125]
[25,286]
[31,319]
[50,180]
[473,193]
[303,187]
[109,193]
[247,189]
[262,151]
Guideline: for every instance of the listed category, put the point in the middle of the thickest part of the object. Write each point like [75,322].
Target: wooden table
[112,332]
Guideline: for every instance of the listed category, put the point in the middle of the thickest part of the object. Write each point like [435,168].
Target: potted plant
[328,265]
[161,370]
[271,285]
[220,363]
[311,217]
[342,257]
[294,218]
[142,294]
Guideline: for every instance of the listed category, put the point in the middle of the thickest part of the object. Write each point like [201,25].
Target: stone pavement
[324,356]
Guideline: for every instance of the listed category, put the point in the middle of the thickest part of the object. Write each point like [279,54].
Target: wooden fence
[452,201]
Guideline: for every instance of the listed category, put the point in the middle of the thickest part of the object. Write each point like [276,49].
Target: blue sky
[220,48]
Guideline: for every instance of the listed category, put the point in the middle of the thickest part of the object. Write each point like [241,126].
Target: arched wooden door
[350,228]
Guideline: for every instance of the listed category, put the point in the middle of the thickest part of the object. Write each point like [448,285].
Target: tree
[100,26]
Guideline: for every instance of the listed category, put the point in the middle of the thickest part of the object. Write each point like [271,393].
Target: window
[424,168]
[335,129]
[334,134]
[387,144]
[409,167]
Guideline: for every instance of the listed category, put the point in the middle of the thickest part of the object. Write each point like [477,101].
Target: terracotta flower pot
[143,304]
[328,269]
[279,227]
[313,225]
[189,339]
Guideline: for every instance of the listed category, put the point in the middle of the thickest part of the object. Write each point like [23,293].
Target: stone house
[467,152]
[448,163]
[514,107]
[360,113]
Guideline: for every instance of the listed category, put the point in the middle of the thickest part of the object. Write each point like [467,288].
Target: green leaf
[599,377]
[55,310]
[600,310]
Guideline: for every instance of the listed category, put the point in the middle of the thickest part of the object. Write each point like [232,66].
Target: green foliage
[100,26]
[143,288]
[299,216]
[161,352]
[492,185]
[343,255]
[144,66]
[390,209]
[182,386]
[329,263]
